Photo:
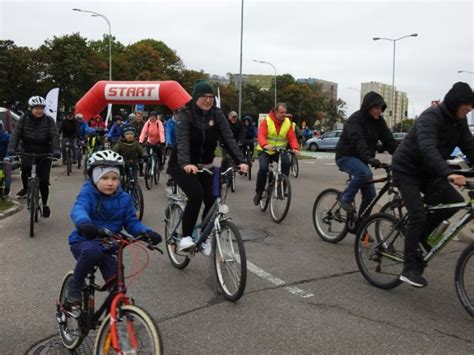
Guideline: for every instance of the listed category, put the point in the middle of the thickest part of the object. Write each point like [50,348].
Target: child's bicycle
[230,262]
[125,327]
[132,186]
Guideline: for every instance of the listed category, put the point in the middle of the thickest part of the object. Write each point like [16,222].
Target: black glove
[90,231]
[57,154]
[375,163]
[153,237]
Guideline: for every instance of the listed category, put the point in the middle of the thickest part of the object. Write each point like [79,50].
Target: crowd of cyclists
[191,136]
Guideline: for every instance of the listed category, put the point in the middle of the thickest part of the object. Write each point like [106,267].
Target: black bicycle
[247,150]
[123,327]
[332,222]
[132,186]
[277,192]
[230,262]
[33,194]
[294,165]
[68,147]
[152,167]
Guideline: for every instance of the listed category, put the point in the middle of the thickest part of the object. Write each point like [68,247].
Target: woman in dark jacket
[198,129]
[356,149]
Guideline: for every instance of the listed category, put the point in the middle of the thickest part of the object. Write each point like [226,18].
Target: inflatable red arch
[168,93]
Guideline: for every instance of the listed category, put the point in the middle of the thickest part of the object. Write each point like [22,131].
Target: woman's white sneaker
[186,243]
[206,247]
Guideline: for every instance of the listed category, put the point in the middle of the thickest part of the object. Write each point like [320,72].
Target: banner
[218,98]
[52,98]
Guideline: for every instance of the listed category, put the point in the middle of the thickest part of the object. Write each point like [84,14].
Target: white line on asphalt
[276,281]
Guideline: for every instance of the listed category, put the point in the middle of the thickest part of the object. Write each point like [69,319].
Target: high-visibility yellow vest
[277,140]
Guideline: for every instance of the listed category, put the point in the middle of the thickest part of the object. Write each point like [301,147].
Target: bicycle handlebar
[210,172]
[124,236]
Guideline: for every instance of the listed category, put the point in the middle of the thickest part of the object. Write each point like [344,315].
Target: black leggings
[421,224]
[43,169]
[198,189]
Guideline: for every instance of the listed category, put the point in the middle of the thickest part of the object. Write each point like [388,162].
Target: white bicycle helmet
[36,101]
[79,116]
[105,158]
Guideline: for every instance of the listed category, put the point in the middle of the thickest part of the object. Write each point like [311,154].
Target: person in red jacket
[275,131]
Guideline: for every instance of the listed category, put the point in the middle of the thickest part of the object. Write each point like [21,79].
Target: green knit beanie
[201,87]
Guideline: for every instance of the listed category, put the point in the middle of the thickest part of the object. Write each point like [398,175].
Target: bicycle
[125,328]
[81,146]
[32,196]
[294,165]
[380,260]
[68,150]
[247,150]
[332,222]
[229,258]
[132,186]
[277,192]
[152,167]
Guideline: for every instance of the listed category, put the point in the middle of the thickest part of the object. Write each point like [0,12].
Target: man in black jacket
[38,134]
[69,131]
[356,149]
[238,131]
[419,166]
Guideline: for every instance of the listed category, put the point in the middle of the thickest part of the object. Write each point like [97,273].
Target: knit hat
[460,93]
[100,171]
[200,88]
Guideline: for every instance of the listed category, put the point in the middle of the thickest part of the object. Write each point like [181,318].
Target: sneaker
[414,278]
[257,198]
[169,182]
[74,292]
[206,247]
[186,243]
[348,207]
[22,193]
[46,212]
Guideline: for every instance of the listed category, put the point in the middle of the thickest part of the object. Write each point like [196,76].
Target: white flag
[218,98]
[52,103]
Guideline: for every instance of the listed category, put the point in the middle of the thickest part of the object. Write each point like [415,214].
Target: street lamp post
[241,46]
[263,62]
[465,71]
[394,40]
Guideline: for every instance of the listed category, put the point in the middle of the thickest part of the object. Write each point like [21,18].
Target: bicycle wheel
[173,215]
[137,199]
[137,333]
[32,206]
[249,163]
[464,279]
[295,168]
[68,162]
[156,172]
[280,199]
[79,156]
[329,219]
[70,328]
[267,194]
[230,261]
[148,177]
[379,247]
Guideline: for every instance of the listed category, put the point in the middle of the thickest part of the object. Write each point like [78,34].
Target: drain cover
[54,346]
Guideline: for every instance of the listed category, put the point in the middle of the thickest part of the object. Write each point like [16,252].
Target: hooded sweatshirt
[362,132]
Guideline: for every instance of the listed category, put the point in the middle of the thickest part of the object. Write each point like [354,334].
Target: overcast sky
[330,40]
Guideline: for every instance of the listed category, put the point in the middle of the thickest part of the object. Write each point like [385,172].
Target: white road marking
[276,281]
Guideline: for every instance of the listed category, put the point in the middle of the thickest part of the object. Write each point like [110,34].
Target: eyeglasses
[207,97]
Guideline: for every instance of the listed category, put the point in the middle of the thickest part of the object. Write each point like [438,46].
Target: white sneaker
[206,247]
[186,243]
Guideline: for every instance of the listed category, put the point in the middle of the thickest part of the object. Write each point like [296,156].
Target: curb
[12,210]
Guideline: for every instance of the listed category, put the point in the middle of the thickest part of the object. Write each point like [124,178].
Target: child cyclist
[129,148]
[101,203]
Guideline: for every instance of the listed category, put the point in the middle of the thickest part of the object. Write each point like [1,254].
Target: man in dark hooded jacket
[419,166]
[356,149]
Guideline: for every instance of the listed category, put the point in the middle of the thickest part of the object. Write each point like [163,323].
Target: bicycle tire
[328,214]
[249,163]
[70,329]
[148,178]
[225,245]
[138,201]
[295,168]
[393,209]
[32,204]
[143,327]
[157,172]
[265,200]
[282,192]
[379,236]
[173,214]
[79,156]
[68,162]
[465,287]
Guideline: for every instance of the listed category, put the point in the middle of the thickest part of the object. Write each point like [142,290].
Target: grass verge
[5,204]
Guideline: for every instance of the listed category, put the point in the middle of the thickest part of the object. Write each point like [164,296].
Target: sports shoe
[46,212]
[413,278]
[257,198]
[186,243]
[348,207]
[206,247]
[74,292]
[21,193]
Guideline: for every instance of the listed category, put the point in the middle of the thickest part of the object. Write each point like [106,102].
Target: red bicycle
[125,327]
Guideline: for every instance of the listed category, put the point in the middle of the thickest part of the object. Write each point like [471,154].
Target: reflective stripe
[277,140]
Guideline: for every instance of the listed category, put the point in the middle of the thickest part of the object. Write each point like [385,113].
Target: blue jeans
[360,173]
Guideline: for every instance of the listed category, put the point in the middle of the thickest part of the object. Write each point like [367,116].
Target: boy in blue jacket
[101,203]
